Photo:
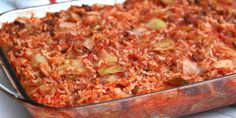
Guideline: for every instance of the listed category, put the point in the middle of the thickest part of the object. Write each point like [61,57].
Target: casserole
[188,99]
[20,4]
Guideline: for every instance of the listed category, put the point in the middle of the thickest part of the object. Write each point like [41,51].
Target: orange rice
[98,53]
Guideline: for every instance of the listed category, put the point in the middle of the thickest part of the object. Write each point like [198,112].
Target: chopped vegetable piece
[137,31]
[163,45]
[37,59]
[224,64]
[156,23]
[109,78]
[190,67]
[40,58]
[74,17]
[67,25]
[28,52]
[110,58]
[110,70]
[71,66]
[44,87]
[88,43]
[212,74]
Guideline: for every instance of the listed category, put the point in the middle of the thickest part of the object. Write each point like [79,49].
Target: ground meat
[92,54]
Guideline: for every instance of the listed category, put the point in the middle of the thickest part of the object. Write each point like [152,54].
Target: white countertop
[10,109]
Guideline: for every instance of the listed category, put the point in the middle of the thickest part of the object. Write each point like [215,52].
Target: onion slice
[164,45]
[190,67]
[110,70]
[156,23]
[89,44]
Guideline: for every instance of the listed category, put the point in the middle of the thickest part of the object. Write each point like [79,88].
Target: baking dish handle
[6,84]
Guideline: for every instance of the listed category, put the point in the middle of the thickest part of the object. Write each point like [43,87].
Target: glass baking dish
[170,103]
